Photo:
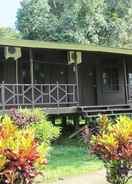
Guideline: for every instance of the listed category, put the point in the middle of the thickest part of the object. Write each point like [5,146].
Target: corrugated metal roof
[63,46]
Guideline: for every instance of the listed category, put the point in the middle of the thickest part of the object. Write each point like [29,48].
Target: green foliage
[45,131]
[113,144]
[113,169]
[25,137]
[104,22]
[20,153]
[8,33]
[37,119]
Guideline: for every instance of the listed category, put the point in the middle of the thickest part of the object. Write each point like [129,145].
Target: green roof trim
[63,46]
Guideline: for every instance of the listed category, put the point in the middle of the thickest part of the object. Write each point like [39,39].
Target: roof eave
[63,46]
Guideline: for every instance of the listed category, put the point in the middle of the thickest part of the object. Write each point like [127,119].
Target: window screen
[110,79]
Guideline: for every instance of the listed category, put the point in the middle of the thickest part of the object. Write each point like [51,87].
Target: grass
[68,159]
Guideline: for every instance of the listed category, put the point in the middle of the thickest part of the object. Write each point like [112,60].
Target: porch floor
[87,111]
[91,111]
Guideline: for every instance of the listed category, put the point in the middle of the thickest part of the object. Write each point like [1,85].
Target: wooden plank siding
[51,67]
[91,87]
[87,83]
[107,96]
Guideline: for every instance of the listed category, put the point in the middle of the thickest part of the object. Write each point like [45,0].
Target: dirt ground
[90,178]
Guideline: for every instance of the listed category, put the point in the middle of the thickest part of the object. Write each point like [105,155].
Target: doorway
[111,89]
[87,82]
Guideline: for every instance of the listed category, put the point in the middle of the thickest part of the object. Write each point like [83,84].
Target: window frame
[111,75]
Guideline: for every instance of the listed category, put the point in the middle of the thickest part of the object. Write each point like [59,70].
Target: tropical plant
[20,153]
[9,33]
[23,146]
[37,119]
[113,144]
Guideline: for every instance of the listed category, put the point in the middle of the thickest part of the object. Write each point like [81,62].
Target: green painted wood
[63,46]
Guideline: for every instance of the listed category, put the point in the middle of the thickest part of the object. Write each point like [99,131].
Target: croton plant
[113,144]
[22,152]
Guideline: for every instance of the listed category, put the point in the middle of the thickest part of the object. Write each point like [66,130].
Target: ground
[97,177]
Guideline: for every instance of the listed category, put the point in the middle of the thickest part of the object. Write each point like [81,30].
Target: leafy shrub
[22,118]
[113,144]
[25,136]
[37,119]
[20,153]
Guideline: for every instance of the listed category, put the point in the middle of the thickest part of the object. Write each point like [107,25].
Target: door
[87,84]
[111,83]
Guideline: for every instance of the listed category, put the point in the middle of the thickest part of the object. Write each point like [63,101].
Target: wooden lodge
[65,78]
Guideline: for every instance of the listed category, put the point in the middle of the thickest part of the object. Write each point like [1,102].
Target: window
[110,79]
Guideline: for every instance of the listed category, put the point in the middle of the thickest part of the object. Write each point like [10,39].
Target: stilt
[53,120]
[76,122]
[64,121]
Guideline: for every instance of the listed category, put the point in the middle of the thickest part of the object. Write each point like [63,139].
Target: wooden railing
[16,95]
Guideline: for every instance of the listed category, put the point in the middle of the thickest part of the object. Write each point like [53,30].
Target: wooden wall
[129,78]
[118,96]
[87,80]
[92,91]
[7,69]
[50,66]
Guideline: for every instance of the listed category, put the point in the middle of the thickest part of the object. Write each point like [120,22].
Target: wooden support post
[57,89]
[53,120]
[125,81]
[31,65]
[76,122]
[3,95]
[16,71]
[17,81]
[77,81]
[64,120]
[64,123]
[31,74]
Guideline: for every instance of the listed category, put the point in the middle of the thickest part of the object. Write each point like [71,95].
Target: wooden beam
[17,81]
[31,65]
[76,132]
[125,81]
[77,81]
[31,74]
[3,95]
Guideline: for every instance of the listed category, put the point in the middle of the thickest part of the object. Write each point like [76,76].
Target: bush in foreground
[24,143]
[113,144]
[37,119]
